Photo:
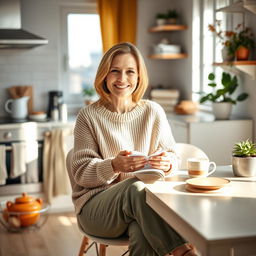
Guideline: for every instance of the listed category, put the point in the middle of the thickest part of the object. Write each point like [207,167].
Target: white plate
[207,183]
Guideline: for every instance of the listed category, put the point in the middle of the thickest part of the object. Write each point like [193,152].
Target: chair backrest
[185,151]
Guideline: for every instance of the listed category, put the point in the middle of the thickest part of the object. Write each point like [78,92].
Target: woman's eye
[131,71]
[114,70]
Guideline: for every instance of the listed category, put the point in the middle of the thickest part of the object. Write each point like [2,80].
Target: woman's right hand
[123,162]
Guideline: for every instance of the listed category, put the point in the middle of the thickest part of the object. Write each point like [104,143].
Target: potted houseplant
[221,97]
[244,159]
[237,43]
[160,19]
[242,43]
[225,38]
[89,94]
[172,16]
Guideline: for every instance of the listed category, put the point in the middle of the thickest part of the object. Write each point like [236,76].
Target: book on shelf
[148,174]
[165,93]
[165,101]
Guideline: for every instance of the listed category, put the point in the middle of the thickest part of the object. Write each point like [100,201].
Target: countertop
[200,117]
[39,124]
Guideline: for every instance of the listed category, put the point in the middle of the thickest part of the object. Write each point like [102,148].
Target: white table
[219,224]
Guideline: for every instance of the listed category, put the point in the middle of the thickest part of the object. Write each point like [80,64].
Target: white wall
[37,66]
[169,73]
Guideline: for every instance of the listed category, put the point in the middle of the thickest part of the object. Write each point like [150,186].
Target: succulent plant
[244,149]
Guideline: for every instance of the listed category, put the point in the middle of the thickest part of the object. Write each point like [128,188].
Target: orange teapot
[24,206]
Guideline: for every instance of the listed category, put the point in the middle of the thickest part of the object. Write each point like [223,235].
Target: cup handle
[213,168]
[7,106]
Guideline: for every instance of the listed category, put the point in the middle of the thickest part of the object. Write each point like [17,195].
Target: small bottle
[55,114]
[63,113]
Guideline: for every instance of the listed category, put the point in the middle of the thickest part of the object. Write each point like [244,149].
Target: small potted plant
[172,16]
[243,42]
[225,38]
[221,97]
[244,159]
[237,43]
[89,94]
[160,19]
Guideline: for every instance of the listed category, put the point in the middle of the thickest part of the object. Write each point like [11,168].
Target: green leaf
[221,92]
[242,96]
[205,98]
[211,76]
[212,84]
[232,88]
[226,79]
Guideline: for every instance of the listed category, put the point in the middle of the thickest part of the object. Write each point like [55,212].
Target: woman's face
[122,78]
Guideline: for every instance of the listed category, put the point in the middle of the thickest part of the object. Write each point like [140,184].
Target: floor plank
[58,236]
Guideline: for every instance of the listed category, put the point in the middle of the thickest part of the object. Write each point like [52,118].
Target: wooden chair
[95,241]
[185,151]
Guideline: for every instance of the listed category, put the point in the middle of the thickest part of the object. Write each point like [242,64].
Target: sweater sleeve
[89,169]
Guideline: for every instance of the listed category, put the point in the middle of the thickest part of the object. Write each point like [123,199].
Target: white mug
[200,167]
[18,108]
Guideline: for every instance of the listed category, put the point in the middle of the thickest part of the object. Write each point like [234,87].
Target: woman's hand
[123,162]
[162,161]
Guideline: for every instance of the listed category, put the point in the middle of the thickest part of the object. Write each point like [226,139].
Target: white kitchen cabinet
[215,137]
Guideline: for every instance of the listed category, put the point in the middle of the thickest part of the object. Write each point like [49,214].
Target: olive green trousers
[122,209]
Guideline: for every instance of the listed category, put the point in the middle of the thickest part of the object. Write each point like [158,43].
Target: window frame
[73,100]
[199,8]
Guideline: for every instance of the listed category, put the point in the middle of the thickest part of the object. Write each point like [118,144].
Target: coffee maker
[55,99]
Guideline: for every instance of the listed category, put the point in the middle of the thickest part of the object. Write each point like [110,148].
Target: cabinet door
[218,138]
[179,131]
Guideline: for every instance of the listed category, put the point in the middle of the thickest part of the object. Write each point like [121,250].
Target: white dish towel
[18,159]
[32,162]
[3,170]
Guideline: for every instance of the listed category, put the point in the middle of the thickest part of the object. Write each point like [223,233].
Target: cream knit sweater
[101,134]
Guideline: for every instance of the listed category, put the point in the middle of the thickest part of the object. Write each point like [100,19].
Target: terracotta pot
[242,53]
[24,206]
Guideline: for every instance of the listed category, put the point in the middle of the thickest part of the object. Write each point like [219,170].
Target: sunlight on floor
[65,221]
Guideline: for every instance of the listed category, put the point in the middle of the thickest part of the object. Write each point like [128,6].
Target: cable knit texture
[101,134]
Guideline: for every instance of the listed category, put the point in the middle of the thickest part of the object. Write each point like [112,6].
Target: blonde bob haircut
[104,67]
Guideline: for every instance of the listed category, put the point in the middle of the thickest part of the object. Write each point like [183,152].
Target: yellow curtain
[118,21]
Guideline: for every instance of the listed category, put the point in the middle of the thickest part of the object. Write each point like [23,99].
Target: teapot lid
[25,198]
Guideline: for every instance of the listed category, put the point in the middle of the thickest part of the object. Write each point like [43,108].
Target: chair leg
[83,246]
[103,250]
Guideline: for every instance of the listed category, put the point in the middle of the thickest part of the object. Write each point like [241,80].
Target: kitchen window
[81,50]
[206,48]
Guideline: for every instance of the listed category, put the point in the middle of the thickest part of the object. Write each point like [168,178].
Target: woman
[109,201]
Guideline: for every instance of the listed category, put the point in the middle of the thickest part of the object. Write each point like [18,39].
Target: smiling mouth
[122,86]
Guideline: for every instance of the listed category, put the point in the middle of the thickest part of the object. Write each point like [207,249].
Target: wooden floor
[58,236]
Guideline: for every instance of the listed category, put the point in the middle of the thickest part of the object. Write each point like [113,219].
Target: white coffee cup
[200,167]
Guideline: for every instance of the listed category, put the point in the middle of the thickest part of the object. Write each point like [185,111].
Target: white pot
[160,22]
[244,166]
[226,56]
[221,110]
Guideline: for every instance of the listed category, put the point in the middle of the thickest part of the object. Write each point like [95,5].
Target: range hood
[12,36]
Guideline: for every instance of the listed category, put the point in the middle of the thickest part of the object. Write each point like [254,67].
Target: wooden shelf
[246,66]
[171,56]
[167,28]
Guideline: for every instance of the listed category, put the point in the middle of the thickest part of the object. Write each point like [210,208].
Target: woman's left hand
[161,161]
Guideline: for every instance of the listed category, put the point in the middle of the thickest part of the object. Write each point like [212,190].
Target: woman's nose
[121,77]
